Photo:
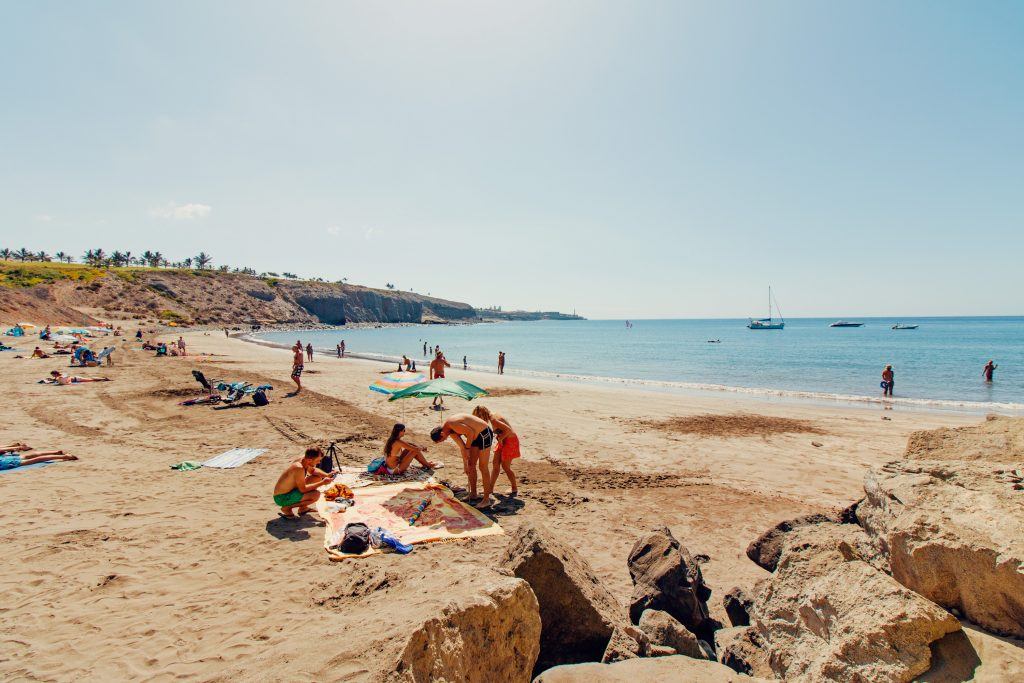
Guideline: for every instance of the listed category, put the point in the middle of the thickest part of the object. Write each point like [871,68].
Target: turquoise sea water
[938,364]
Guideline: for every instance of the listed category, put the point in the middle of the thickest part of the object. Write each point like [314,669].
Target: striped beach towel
[236,457]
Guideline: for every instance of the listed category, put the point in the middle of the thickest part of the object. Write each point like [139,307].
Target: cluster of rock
[875,592]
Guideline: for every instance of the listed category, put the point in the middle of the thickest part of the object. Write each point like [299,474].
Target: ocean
[937,365]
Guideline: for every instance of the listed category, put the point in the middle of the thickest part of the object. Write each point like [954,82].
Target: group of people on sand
[296,490]
[21,455]
[889,376]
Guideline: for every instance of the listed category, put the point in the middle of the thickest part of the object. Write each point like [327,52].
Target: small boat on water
[845,323]
[901,326]
[768,323]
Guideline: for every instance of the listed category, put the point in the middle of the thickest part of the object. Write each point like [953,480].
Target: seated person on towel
[39,353]
[296,490]
[56,377]
[14,455]
[399,453]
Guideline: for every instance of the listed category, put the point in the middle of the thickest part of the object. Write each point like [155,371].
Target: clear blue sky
[628,159]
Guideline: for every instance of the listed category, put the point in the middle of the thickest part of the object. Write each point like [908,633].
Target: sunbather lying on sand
[57,377]
[399,453]
[39,353]
[10,457]
[296,490]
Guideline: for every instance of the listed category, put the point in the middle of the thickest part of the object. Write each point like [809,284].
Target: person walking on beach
[465,365]
[501,362]
[437,367]
[342,348]
[181,346]
[337,348]
[990,368]
[297,366]
[888,380]
[474,438]
[309,351]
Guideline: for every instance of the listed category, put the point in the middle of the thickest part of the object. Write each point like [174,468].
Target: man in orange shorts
[507,449]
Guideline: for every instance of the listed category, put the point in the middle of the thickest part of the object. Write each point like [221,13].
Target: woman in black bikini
[399,454]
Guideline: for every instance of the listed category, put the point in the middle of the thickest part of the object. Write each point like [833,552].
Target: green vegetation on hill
[15,275]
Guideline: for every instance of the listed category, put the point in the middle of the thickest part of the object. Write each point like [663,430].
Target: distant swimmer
[888,380]
[990,368]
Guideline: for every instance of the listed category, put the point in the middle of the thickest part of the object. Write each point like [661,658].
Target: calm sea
[939,364]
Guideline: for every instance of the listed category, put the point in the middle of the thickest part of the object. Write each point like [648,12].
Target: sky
[623,159]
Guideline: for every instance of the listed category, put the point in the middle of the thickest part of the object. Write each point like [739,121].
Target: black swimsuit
[483,440]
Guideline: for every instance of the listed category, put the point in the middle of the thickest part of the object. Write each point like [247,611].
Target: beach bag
[260,397]
[356,538]
[375,465]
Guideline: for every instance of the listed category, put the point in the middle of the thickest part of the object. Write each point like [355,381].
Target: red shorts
[508,448]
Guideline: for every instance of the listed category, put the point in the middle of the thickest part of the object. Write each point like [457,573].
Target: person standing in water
[990,368]
[501,362]
[889,380]
[342,348]
[465,365]
[309,351]
[424,349]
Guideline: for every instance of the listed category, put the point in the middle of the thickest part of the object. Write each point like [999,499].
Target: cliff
[50,292]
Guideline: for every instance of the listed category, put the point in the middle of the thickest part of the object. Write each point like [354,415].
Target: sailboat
[768,323]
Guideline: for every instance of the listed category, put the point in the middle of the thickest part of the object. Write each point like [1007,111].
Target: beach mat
[445,519]
[26,467]
[236,457]
[358,477]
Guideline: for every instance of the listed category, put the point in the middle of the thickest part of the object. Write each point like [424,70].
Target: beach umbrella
[440,387]
[397,381]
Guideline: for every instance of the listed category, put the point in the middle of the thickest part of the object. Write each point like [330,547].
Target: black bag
[260,397]
[355,539]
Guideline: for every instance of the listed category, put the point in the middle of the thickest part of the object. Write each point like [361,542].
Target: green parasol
[440,387]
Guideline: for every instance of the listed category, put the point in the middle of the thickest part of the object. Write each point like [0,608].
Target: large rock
[999,439]
[765,549]
[488,631]
[954,532]
[578,614]
[829,613]
[627,642]
[657,670]
[666,578]
[740,649]
[665,630]
[737,606]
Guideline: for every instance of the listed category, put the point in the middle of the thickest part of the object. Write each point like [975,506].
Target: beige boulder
[740,649]
[489,630]
[998,439]
[663,629]
[829,614]
[657,670]
[578,615]
[954,532]
[764,550]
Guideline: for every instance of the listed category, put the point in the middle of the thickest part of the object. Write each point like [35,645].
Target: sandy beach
[117,567]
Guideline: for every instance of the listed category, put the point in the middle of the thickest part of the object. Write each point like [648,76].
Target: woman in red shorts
[507,449]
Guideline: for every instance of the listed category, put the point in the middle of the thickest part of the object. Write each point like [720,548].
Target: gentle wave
[943,404]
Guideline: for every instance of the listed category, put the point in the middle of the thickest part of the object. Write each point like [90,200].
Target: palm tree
[117,258]
[6,254]
[23,255]
[127,258]
[203,260]
[164,262]
[43,256]
[187,263]
[60,256]
[147,257]
[225,268]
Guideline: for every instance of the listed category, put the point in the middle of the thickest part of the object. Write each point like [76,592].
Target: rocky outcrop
[765,549]
[661,628]
[740,649]
[829,613]
[488,631]
[999,439]
[666,577]
[737,606]
[657,670]
[626,642]
[953,532]
[578,614]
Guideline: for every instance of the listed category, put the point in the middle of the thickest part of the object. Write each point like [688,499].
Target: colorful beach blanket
[236,457]
[446,518]
[358,477]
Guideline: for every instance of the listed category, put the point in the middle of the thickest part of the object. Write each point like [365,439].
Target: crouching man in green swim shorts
[296,489]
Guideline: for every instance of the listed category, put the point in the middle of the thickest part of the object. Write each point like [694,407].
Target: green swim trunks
[287,499]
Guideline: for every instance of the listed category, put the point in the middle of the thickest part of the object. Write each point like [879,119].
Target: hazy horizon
[630,161]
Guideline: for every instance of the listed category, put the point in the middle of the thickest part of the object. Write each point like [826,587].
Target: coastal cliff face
[83,295]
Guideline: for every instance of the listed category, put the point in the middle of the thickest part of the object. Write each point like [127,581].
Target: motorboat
[845,323]
[901,326]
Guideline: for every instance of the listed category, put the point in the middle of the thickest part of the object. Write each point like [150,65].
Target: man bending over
[474,438]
